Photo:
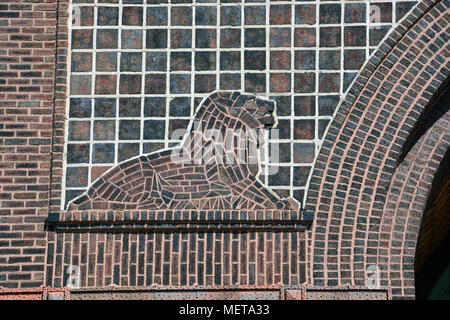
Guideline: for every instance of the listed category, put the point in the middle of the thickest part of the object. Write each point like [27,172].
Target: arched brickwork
[359,156]
[405,204]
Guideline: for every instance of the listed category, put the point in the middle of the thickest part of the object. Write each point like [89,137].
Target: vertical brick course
[27,73]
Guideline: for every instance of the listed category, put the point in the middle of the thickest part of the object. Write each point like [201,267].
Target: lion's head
[253,111]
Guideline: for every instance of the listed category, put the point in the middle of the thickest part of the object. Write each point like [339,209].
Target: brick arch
[358,158]
[404,207]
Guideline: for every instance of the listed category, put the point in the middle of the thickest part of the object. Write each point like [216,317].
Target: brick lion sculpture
[195,175]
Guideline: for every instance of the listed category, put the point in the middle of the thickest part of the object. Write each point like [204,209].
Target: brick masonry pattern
[27,79]
[358,157]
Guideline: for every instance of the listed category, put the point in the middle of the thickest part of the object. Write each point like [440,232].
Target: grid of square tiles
[140,68]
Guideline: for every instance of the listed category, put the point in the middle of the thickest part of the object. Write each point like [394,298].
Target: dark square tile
[305,60]
[381,12]
[107,39]
[156,61]
[104,130]
[180,61]
[86,17]
[255,37]
[284,151]
[156,38]
[76,177]
[304,129]
[282,177]
[78,153]
[206,15]
[230,81]
[230,60]
[255,82]
[327,105]
[129,107]
[304,152]
[155,83]
[355,13]
[301,175]
[128,150]
[280,60]
[348,78]
[177,128]
[329,59]
[330,36]
[72,194]
[254,60]
[205,60]
[305,14]
[299,195]
[131,61]
[108,16]
[80,108]
[132,16]
[330,13]
[81,62]
[402,8]
[106,61]
[130,83]
[329,82]
[355,36]
[377,34]
[280,14]
[132,39]
[155,107]
[181,16]
[230,38]
[157,16]
[82,39]
[304,82]
[103,153]
[280,82]
[284,129]
[280,37]
[79,130]
[283,105]
[180,83]
[255,15]
[80,84]
[152,147]
[305,105]
[180,38]
[205,38]
[105,107]
[323,124]
[129,129]
[154,129]
[180,107]
[205,83]
[230,15]
[305,37]
[354,59]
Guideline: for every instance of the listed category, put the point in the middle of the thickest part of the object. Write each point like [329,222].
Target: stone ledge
[178,220]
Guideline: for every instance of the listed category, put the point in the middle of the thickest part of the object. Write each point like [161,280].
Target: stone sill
[180,220]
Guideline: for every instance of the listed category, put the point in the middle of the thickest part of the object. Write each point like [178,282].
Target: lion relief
[195,175]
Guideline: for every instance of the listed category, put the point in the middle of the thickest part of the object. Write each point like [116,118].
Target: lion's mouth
[268,120]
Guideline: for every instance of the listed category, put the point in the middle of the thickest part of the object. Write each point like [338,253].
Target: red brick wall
[27,71]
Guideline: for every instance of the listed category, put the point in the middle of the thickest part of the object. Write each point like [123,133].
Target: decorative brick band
[405,205]
[177,258]
[360,153]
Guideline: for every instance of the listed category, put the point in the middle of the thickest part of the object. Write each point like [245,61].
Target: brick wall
[27,71]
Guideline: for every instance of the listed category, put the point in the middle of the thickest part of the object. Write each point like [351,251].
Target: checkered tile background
[139,69]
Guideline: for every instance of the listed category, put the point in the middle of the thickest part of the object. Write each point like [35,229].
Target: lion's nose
[269,105]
